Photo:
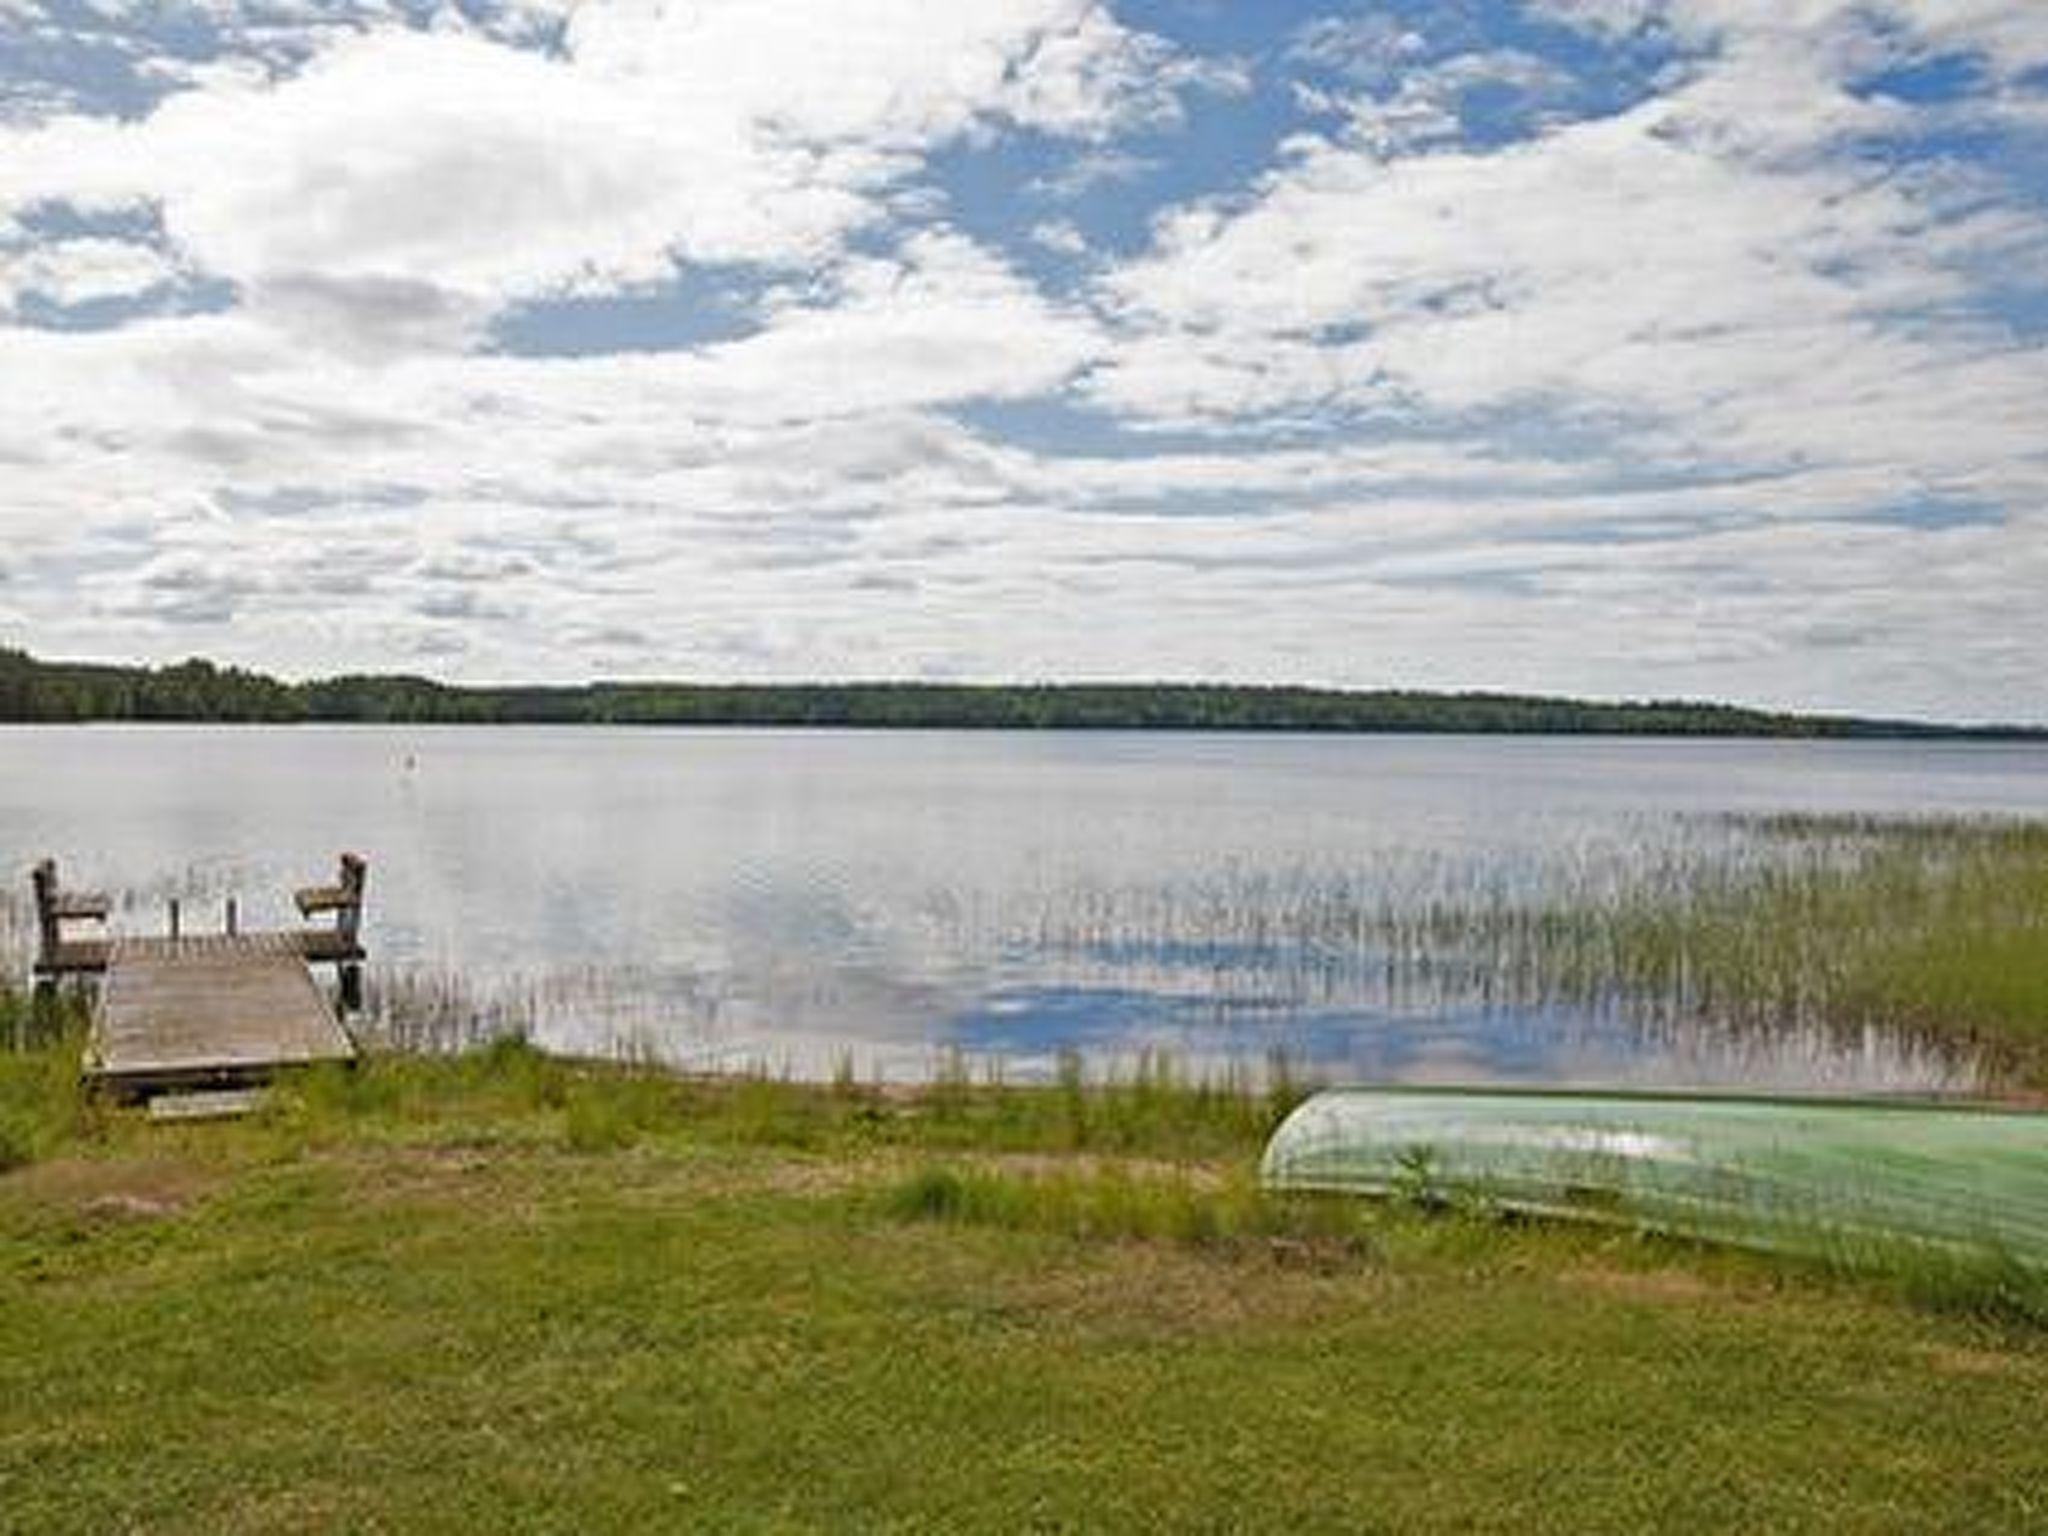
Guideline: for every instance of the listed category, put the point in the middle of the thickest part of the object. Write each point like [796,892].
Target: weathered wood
[56,954]
[75,957]
[324,946]
[209,1009]
[344,897]
[340,944]
[206,1104]
[48,935]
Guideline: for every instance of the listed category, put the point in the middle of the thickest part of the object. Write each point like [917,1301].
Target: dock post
[234,925]
[48,933]
[174,917]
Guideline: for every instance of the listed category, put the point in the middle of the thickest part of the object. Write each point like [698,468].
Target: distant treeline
[32,690]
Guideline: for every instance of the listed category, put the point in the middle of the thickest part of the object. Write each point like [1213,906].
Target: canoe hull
[1773,1172]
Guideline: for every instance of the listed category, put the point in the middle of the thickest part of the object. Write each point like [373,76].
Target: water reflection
[795,899]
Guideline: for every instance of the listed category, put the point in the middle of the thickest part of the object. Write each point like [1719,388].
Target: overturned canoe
[1786,1173]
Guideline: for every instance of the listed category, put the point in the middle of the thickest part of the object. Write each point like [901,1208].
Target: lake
[801,899]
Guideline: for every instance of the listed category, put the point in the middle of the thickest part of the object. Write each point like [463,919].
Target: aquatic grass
[31,1019]
[1934,929]
[1918,947]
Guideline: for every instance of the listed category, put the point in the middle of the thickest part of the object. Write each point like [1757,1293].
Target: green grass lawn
[501,1293]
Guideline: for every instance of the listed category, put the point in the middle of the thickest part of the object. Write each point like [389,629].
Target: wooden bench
[57,954]
[344,899]
[340,943]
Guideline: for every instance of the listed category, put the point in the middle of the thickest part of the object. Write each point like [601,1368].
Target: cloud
[1091,169]
[2011,38]
[1371,47]
[393,161]
[188,592]
[1060,236]
[68,273]
[1638,357]
[1716,272]
[940,321]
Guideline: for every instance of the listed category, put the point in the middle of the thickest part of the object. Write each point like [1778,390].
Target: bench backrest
[44,878]
[354,873]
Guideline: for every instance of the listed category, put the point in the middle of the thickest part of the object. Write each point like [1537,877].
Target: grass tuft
[1115,1202]
[43,1105]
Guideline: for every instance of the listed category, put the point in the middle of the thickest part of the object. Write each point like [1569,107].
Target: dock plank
[211,1008]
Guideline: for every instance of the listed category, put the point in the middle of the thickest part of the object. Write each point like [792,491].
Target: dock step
[216,1104]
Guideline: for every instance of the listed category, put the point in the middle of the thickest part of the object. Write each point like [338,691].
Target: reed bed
[1845,931]
[1936,931]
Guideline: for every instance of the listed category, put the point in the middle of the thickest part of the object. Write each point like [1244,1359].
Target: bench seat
[324,898]
[75,957]
[329,946]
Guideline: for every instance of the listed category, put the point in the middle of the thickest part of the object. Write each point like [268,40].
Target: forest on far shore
[32,690]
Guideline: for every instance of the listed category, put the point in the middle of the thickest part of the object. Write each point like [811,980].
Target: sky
[1625,348]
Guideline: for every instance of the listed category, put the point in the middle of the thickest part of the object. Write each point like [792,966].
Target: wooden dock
[208,1010]
[188,1011]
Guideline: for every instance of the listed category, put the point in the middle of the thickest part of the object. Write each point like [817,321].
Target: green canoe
[1785,1173]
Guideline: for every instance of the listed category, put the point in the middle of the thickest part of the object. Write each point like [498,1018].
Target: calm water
[790,898]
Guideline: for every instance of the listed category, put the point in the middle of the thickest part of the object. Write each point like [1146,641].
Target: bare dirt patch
[1669,1285]
[1201,1176]
[1955,1360]
[113,1189]
[1168,1289]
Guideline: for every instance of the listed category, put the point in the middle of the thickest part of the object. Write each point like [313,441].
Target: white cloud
[1089,169]
[80,271]
[942,322]
[1370,46]
[1060,236]
[1648,402]
[1714,273]
[720,132]
[2010,37]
